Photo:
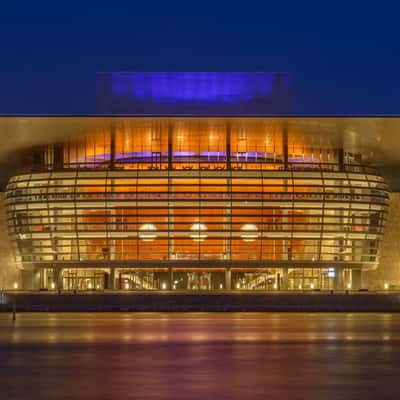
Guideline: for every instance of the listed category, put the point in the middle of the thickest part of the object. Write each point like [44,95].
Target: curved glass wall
[272,216]
[256,199]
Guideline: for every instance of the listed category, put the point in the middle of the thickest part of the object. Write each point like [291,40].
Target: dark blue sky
[344,57]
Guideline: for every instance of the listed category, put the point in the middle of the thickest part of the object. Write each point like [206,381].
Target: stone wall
[388,270]
[9,271]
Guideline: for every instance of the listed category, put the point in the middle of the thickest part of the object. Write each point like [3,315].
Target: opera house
[196,181]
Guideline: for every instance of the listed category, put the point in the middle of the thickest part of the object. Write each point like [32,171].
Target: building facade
[196,203]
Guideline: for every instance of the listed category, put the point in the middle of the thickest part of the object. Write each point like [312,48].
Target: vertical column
[170,278]
[170,211]
[170,141]
[285,221]
[356,279]
[341,159]
[30,280]
[112,145]
[58,156]
[228,221]
[338,280]
[111,224]
[111,281]
[170,199]
[285,282]
[58,278]
[228,145]
[228,212]
[287,251]
[228,279]
[285,146]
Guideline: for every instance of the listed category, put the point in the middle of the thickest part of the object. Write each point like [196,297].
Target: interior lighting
[349,286]
[15,285]
[312,286]
[198,230]
[331,272]
[386,286]
[147,232]
[249,232]
[163,285]
[53,285]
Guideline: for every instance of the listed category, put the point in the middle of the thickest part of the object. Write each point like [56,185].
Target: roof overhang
[377,136]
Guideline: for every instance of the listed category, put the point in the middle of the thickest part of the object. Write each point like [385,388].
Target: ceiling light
[249,232]
[198,230]
[147,232]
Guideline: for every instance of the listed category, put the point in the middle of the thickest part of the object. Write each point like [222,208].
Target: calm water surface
[200,356]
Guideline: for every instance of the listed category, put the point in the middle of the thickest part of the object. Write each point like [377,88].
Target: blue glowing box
[193,93]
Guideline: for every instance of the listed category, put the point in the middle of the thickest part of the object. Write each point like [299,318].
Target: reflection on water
[200,356]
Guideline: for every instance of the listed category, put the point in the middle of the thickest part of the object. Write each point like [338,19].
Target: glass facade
[184,201]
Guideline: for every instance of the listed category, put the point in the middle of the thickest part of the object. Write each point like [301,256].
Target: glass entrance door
[83,279]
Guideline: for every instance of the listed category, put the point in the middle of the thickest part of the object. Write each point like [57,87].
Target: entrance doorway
[197,279]
[132,279]
[84,279]
[310,279]
[256,279]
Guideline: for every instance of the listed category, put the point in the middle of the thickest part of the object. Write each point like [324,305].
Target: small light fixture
[90,285]
[198,230]
[312,286]
[238,286]
[349,285]
[163,285]
[127,285]
[249,232]
[174,286]
[15,285]
[275,286]
[386,286]
[299,287]
[97,287]
[53,285]
[147,232]
[220,286]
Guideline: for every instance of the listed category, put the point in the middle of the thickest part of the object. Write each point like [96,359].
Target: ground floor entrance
[197,279]
[87,279]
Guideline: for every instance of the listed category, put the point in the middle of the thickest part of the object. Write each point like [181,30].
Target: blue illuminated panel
[193,93]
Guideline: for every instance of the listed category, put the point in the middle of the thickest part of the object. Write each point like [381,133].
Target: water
[200,356]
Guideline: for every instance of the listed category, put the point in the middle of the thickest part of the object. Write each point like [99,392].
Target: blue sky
[344,56]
